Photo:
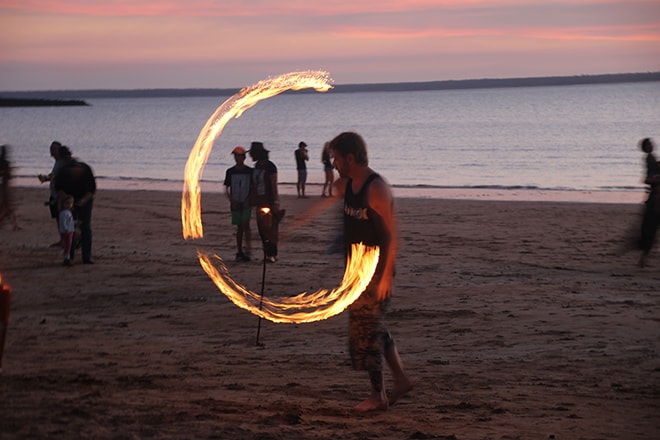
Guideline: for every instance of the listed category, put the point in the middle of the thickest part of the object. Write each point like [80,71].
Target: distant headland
[39,102]
[75,97]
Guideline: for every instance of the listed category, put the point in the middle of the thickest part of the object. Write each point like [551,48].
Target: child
[67,226]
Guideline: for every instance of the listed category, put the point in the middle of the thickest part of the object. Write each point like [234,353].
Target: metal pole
[261,297]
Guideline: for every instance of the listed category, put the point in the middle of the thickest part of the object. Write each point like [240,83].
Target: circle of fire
[304,307]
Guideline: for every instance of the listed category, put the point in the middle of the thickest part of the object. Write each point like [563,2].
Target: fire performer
[369,218]
[266,199]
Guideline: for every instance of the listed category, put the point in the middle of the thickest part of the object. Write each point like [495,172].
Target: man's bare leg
[247,238]
[402,383]
[378,398]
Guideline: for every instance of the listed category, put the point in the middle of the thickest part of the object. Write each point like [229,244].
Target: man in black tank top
[369,218]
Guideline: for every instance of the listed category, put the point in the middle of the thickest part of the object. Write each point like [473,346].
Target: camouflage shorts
[368,336]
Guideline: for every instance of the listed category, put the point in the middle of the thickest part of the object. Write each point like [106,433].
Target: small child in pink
[67,227]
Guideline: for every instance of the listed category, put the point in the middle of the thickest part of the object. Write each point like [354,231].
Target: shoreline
[450,193]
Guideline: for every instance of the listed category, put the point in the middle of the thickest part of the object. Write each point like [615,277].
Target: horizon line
[556,80]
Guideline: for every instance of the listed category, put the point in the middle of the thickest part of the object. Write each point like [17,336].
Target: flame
[300,308]
[304,307]
[191,216]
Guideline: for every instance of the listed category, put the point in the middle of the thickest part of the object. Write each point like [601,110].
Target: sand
[515,320]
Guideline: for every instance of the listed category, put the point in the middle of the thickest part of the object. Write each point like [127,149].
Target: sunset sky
[133,44]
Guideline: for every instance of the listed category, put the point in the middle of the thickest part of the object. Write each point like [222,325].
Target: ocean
[559,138]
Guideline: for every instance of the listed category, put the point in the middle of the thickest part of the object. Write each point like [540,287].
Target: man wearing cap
[266,199]
[301,157]
[238,187]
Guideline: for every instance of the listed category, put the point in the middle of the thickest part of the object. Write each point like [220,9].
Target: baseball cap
[238,150]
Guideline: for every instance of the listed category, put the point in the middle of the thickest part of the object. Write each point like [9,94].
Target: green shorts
[241,216]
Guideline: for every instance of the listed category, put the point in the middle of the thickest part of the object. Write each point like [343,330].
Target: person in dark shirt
[6,205]
[369,218]
[77,179]
[651,219]
[301,166]
[238,187]
[266,199]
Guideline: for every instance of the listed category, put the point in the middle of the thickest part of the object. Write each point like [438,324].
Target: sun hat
[256,147]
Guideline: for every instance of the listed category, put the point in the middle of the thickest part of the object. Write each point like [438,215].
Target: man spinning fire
[369,218]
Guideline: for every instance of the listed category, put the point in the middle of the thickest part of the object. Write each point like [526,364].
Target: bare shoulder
[380,193]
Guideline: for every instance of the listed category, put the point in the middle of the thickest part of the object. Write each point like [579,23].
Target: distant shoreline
[618,196]
[484,83]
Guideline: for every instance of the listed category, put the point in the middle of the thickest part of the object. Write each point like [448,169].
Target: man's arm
[90,184]
[380,200]
[273,185]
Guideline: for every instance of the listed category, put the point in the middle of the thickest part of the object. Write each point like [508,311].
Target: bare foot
[376,402]
[401,388]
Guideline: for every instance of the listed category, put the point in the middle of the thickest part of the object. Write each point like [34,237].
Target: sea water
[580,137]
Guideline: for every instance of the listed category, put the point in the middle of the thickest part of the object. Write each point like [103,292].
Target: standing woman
[6,209]
[328,169]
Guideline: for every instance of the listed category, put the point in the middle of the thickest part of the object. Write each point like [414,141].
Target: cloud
[407,40]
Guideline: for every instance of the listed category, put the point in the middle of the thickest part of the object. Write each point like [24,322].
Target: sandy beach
[514,319]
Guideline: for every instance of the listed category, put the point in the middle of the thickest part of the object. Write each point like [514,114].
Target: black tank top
[361,224]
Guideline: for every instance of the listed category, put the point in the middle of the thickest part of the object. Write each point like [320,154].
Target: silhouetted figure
[266,200]
[651,219]
[328,171]
[301,167]
[238,187]
[6,202]
[62,155]
[77,179]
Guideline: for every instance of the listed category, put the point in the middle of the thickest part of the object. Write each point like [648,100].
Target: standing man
[369,218]
[60,160]
[77,179]
[238,184]
[266,199]
[301,157]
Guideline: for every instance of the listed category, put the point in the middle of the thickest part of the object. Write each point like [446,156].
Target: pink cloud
[207,8]
[395,36]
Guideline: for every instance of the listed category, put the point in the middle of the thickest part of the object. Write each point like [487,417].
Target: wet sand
[515,319]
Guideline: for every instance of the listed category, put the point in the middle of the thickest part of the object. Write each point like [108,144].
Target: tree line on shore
[75,97]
